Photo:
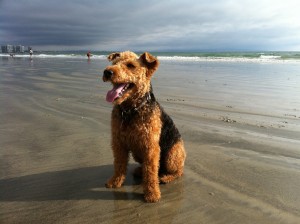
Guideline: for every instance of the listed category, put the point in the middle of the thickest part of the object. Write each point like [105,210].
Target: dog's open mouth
[118,91]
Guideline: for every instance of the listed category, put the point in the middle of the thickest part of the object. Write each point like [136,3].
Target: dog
[140,126]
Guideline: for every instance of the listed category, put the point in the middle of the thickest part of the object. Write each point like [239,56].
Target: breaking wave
[260,57]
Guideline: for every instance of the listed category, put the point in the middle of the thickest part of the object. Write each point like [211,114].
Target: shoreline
[290,57]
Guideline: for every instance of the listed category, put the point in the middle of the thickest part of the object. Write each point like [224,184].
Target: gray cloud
[152,24]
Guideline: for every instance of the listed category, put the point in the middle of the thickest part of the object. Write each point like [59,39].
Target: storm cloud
[151,24]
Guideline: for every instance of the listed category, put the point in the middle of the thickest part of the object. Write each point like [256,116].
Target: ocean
[268,56]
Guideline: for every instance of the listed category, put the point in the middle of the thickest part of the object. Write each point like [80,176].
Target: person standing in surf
[30,52]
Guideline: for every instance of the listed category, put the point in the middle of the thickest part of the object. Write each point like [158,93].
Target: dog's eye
[130,65]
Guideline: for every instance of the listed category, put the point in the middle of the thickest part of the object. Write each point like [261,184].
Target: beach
[240,122]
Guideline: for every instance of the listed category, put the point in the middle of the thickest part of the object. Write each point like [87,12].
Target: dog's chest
[140,131]
[135,131]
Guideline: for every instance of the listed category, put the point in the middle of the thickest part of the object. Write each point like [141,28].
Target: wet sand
[241,132]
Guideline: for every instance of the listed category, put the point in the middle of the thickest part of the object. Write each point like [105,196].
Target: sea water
[180,56]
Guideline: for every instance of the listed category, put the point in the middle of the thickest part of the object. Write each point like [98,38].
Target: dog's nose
[107,74]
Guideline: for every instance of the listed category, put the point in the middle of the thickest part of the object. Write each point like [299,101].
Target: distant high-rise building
[7,49]
[20,49]
[12,49]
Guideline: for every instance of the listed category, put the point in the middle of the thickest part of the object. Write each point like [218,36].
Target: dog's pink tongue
[114,93]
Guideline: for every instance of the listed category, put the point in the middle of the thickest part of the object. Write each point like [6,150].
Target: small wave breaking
[281,57]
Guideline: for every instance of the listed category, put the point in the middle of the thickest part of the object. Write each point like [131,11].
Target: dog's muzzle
[107,74]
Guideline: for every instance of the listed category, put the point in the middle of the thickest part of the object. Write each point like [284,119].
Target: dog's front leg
[121,156]
[150,174]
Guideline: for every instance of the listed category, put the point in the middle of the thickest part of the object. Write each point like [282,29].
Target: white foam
[261,59]
[55,56]
[270,56]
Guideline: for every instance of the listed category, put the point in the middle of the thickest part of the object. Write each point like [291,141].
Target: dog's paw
[163,181]
[113,183]
[166,179]
[152,197]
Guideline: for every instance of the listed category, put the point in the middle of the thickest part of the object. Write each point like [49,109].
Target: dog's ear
[113,56]
[151,63]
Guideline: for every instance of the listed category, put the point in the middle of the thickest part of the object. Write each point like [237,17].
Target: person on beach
[89,55]
[30,52]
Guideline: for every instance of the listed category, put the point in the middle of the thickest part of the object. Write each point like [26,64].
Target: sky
[152,25]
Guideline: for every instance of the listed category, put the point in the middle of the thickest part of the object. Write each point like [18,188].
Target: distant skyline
[152,25]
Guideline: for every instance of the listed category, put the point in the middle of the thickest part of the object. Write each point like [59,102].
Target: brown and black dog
[140,125]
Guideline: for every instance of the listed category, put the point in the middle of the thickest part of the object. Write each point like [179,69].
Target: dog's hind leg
[174,163]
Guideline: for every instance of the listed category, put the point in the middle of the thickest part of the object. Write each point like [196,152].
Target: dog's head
[130,75]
